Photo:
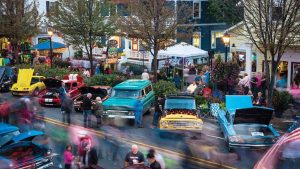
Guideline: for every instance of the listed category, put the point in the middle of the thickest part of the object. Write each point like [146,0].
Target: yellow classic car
[27,84]
[180,114]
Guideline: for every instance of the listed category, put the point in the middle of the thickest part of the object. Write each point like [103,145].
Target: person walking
[158,157]
[145,75]
[157,114]
[177,81]
[153,163]
[62,91]
[98,108]
[134,157]
[87,109]
[68,106]
[90,157]
[138,112]
[68,157]
[98,70]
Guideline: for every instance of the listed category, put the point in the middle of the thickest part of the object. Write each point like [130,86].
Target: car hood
[26,136]
[93,90]
[115,103]
[52,83]
[259,115]
[24,77]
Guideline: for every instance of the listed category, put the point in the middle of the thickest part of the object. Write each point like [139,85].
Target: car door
[148,97]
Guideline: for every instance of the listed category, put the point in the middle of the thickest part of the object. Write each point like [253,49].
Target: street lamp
[226,40]
[50,33]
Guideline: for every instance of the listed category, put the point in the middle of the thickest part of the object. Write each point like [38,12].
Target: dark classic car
[18,151]
[50,97]
[96,91]
[6,74]
[245,125]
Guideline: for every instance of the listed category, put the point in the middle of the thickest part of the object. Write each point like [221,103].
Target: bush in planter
[163,88]
[105,80]
[58,62]
[281,101]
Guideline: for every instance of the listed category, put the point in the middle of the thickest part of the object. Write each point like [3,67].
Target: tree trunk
[15,51]
[155,63]
[91,59]
[271,83]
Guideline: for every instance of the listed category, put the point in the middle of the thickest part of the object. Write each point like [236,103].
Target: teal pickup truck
[124,97]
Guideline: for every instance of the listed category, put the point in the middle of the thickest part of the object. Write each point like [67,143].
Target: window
[148,89]
[144,93]
[254,61]
[50,6]
[197,39]
[214,36]
[197,9]
[277,10]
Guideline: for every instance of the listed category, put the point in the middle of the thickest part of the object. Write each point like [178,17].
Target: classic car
[50,97]
[245,125]
[17,150]
[27,84]
[97,91]
[180,114]
[6,74]
[284,153]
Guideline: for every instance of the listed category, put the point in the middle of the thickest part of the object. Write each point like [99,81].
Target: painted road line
[193,160]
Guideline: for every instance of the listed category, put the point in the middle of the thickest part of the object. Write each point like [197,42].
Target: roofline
[234,26]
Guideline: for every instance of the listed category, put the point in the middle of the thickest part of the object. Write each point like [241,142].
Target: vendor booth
[181,55]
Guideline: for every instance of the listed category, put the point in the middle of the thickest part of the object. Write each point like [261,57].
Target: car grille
[117,112]
[181,123]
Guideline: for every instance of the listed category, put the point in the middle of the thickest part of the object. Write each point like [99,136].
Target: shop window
[197,9]
[135,44]
[241,60]
[254,62]
[214,36]
[197,39]
[281,74]
[295,80]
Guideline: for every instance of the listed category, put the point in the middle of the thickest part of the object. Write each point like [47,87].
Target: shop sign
[112,61]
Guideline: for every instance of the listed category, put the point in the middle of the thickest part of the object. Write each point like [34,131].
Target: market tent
[182,50]
[46,46]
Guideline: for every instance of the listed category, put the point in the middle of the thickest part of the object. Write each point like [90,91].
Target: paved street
[181,150]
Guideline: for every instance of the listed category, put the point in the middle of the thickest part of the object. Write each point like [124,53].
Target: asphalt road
[181,150]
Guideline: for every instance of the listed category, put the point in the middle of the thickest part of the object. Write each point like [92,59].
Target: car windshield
[178,103]
[125,93]
[34,80]
[4,138]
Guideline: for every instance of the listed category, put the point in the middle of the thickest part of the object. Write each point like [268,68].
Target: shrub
[105,80]
[57,62]
[200,100]
[163,88]
[281,100]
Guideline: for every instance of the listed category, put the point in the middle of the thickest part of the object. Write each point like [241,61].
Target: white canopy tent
[182,50]
[181,53]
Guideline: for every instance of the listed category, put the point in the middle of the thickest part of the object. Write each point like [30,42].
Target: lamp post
[226,40]
[50,33]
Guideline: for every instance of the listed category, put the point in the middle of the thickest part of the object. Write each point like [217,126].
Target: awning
[46,46]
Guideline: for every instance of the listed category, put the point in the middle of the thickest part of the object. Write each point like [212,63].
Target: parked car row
[19,150]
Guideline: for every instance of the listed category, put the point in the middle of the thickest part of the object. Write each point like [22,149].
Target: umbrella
[46,46]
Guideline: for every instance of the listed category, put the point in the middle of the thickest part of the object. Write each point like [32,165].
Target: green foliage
[281,100]
[225,11]
[163,88]
[200,100]
[105,80]
[57,62]
[78,54]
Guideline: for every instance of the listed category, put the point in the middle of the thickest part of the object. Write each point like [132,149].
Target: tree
[83,23]
[154,22]
[19,20]
[228,11]
[273,26]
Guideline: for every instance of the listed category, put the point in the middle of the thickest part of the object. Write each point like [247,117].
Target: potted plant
[280,102]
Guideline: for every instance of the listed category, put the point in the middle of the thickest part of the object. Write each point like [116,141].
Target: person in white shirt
[191,88]
[145,75]
[245,83]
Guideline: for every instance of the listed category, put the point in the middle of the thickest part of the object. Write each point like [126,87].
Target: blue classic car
[245,125]
[17,150]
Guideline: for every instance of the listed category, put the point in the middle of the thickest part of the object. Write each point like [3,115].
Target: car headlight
[105,112]
[274,140]
[235,139]
[198,124]
[26,88]
[130,113]
[164,124]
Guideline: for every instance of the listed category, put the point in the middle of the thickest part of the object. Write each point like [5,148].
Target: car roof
[6,128]
[133,84]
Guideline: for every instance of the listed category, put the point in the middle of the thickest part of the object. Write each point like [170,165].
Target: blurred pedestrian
[145,75]
[98,70]
[158,157]
[134,157]
[68,157]
[157,114]
[87,109]
[192,88]
[245,83]
[90,157]
[98,109]
[86,73]
[153,163]
[177,81]
[259,100]
[68,106]
[4,111]
[138,112]
[62,95]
